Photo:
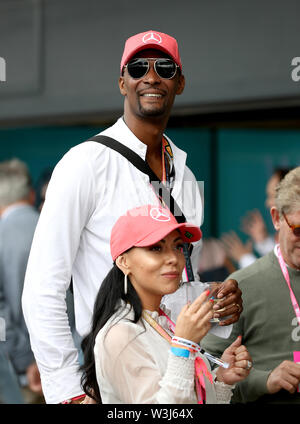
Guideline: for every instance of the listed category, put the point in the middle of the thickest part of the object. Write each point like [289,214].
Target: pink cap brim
[158,235]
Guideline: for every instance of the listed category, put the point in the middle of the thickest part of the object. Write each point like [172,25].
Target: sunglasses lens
[165,68]
[296,231]
[137,68]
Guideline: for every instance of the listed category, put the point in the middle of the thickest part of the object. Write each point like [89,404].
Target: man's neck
[148,131]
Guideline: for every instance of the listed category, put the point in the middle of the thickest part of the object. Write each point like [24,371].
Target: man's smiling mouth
[151,95]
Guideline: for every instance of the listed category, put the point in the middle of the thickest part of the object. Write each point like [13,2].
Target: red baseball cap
[146,225]
[151,40]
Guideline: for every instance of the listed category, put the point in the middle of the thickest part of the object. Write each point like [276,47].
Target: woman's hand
[240,362]
[193,321]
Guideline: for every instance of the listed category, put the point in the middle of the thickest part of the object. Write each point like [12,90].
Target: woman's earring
[125,283]
[180,283]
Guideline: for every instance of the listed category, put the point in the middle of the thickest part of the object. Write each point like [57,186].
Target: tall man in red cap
[90,188]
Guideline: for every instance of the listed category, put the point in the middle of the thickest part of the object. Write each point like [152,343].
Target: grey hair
[287,197]
[15,182]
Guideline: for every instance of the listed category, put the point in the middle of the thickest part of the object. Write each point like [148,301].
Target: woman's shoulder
[119,331]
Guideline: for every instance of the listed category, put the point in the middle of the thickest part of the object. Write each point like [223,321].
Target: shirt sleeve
[223,392]
[253,387]
[135,377]
[68,207]
[16,338]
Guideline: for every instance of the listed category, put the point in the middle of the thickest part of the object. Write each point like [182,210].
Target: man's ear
[181,84]
[122,86]
[275,217]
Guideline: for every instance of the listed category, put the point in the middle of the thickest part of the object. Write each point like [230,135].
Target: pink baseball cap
[146,225]
[151,40]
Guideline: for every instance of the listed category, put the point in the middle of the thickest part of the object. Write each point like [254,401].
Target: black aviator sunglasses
[138,68]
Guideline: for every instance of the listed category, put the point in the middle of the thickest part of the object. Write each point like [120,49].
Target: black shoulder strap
[162,192]
[160,189]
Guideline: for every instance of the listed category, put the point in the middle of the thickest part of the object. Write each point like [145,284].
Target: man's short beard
[156,112]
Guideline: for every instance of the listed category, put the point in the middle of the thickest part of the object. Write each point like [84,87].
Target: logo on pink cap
[152,37]
[159,214]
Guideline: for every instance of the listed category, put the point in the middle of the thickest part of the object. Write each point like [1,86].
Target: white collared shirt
[90,188]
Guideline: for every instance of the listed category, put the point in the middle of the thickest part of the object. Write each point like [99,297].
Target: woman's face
[156,270]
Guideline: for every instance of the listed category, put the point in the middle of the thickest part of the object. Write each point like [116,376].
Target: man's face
[151,95]
[289,243]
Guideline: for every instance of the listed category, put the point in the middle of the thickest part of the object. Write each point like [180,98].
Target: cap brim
[189,233]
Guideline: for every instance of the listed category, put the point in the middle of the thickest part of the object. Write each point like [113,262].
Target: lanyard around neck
[287,279]
[167,163]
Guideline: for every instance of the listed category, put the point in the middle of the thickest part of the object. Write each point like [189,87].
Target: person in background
[10,391]
[214,264]
[41,187]
[253,225]
[270,322]
[17,225]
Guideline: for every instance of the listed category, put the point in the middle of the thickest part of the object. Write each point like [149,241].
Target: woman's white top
[134,364]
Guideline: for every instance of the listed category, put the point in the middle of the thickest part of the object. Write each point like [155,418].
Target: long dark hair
[107,303]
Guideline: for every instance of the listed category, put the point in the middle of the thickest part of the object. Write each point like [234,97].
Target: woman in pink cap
[134,353]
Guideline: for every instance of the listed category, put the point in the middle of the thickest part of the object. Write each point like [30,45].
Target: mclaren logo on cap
[159,215]
[152,37]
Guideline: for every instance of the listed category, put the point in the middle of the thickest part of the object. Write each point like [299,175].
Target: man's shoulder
[255,270]
[84,153]
[24,214]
